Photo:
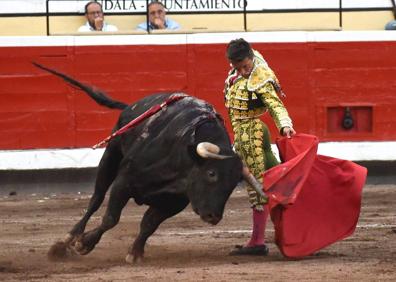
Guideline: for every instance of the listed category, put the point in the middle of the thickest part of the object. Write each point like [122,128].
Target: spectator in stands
[157,18]
[391,25]
[95,19]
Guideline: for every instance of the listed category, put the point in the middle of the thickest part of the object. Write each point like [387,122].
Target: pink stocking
[259,224]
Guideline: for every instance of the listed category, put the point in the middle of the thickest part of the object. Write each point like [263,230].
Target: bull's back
[180,113]
[171,125]
[141,106]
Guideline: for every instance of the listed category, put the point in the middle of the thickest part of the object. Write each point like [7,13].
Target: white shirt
[106,27]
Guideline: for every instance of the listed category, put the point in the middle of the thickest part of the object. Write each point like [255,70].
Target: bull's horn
[249,178]
[209,150]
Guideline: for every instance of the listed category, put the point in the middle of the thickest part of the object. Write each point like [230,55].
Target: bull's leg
[152,218]
[107,171]
[119,197]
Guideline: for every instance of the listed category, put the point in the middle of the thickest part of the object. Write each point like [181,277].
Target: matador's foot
[259,250]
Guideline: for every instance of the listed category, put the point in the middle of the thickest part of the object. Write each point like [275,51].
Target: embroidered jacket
[252,97]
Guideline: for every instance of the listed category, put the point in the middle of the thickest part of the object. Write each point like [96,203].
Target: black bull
[179,155]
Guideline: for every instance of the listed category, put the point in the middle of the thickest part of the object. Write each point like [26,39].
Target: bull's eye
[212,175]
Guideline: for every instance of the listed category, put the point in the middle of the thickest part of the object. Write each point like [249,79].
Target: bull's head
[232,171]
[209,150]
[213,179]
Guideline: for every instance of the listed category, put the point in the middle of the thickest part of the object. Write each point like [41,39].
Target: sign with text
[184,6]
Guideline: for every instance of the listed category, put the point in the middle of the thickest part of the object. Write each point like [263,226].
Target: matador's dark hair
[238,50]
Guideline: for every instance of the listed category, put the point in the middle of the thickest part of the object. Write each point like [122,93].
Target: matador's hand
[288,131]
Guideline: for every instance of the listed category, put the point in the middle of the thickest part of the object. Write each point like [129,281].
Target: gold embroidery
[251,136]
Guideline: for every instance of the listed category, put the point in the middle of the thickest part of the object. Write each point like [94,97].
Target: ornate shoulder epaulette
[259,77]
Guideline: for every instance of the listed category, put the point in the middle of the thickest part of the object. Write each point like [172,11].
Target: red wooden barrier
[320,79]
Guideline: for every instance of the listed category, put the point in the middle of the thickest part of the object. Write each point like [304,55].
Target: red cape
[314,200]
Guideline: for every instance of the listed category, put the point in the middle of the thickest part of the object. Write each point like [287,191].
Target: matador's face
[244,67]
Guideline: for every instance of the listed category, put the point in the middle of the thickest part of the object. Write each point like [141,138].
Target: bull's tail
[100,97]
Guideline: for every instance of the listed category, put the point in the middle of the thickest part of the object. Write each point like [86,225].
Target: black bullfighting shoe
[259,250]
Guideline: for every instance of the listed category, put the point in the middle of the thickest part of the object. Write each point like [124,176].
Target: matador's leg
[252,140]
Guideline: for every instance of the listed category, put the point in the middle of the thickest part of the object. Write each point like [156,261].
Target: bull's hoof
[131,259]
[83,245]
[80,248]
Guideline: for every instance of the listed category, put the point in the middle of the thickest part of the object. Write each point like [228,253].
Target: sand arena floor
[184,248]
